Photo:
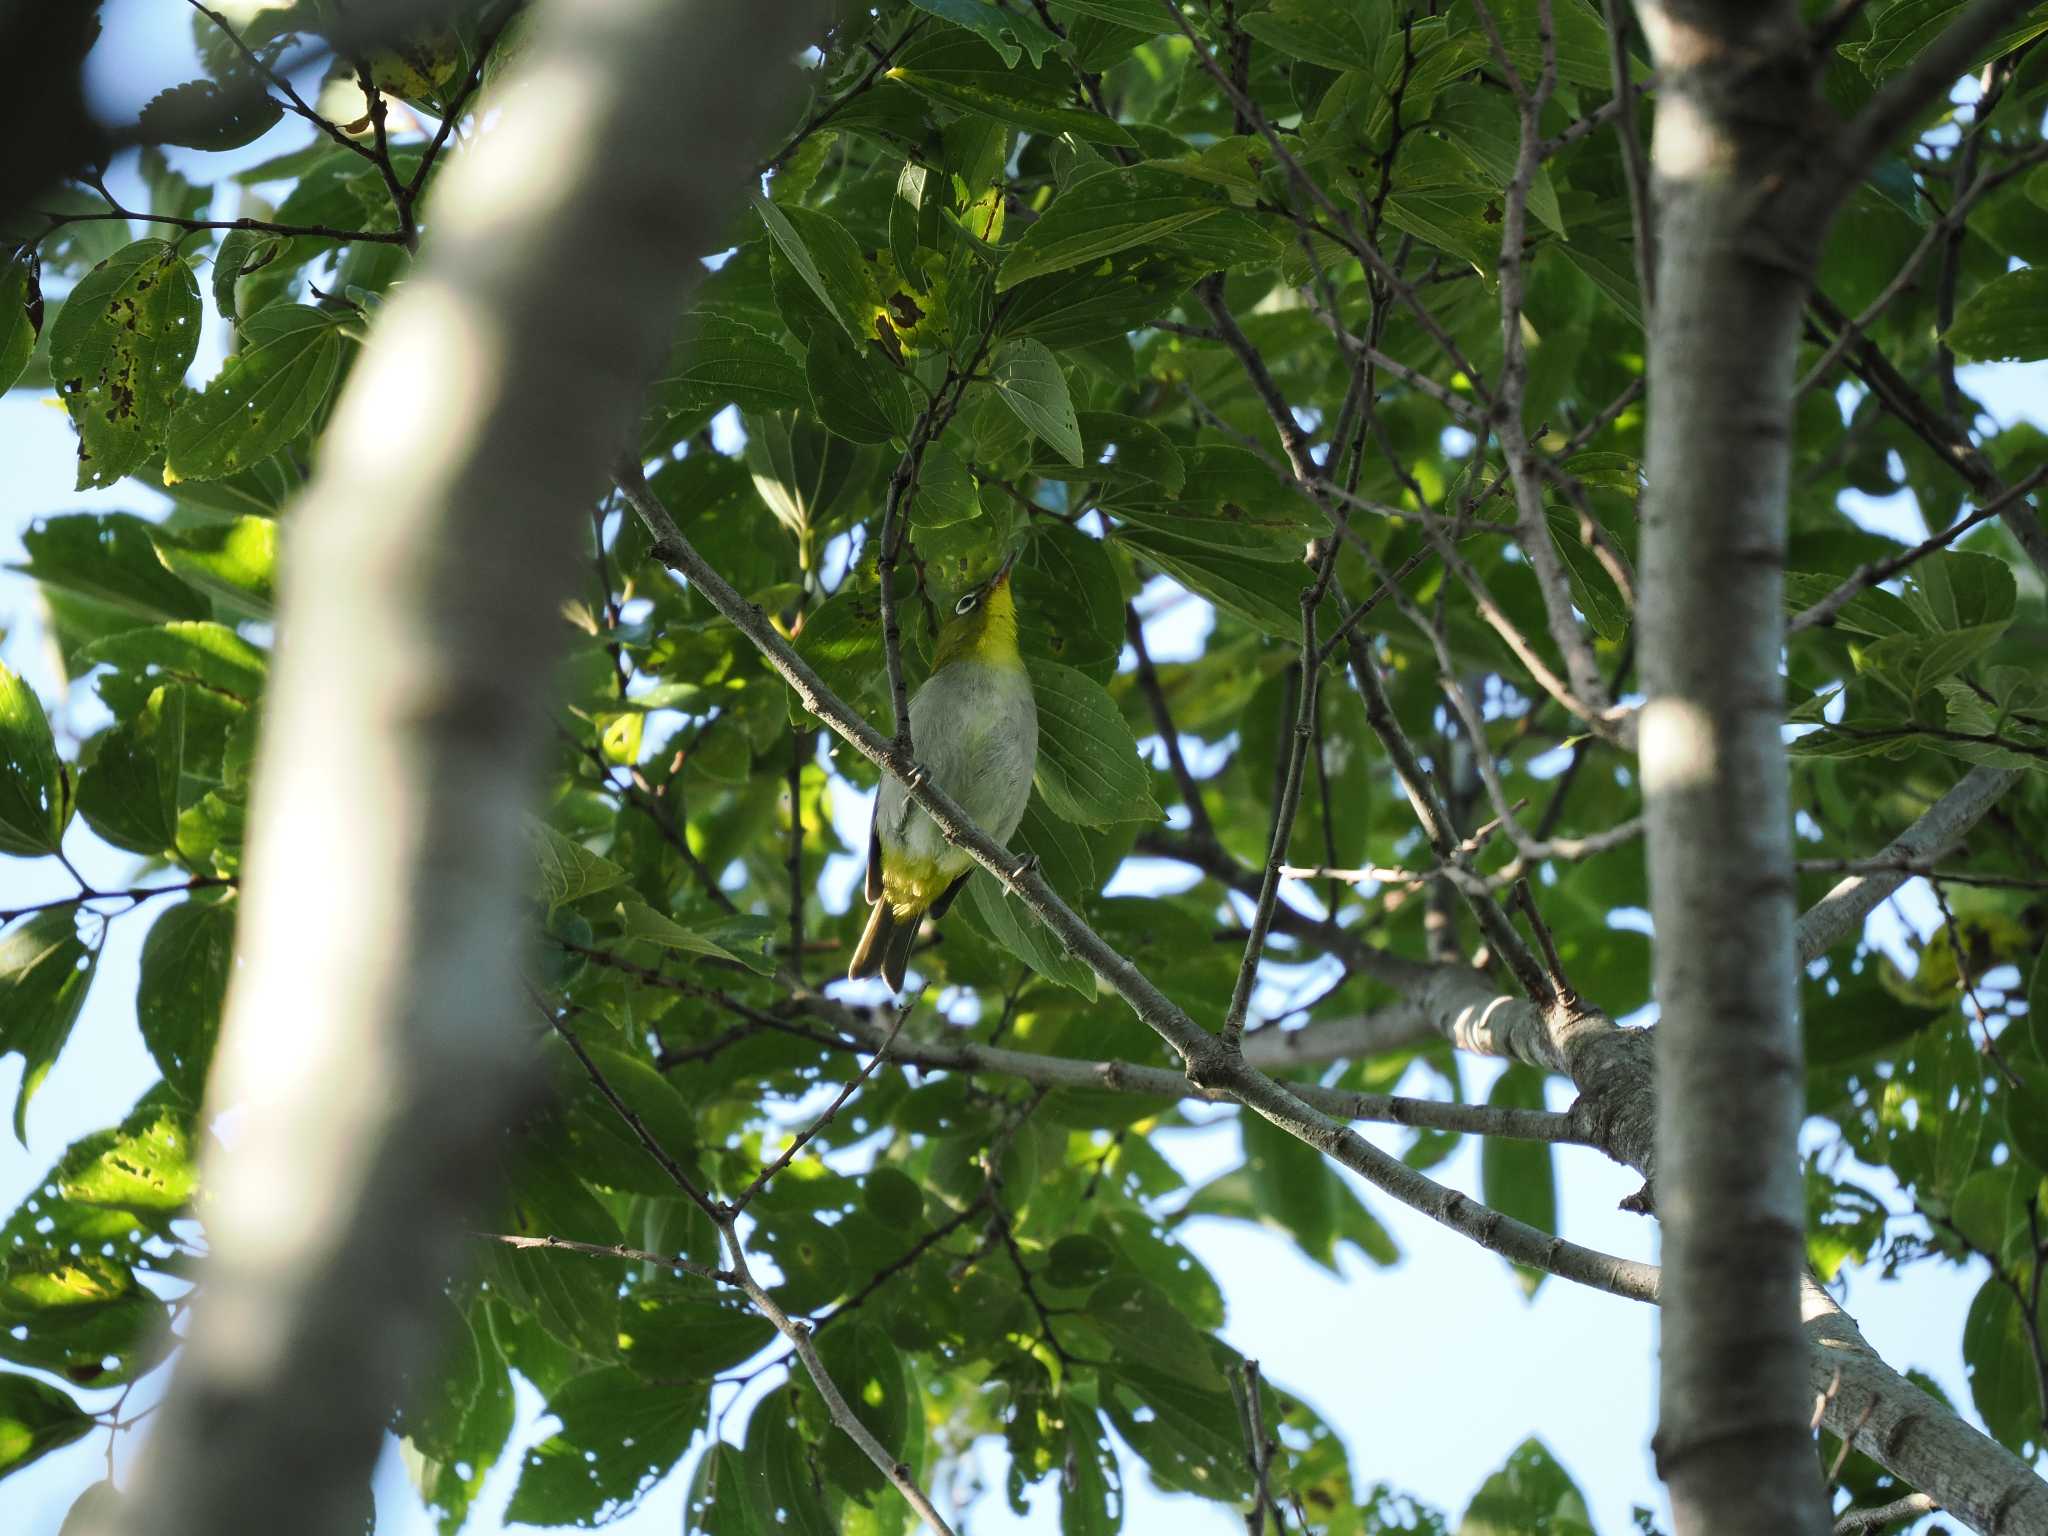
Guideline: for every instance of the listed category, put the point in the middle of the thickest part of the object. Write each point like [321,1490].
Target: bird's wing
[874,885]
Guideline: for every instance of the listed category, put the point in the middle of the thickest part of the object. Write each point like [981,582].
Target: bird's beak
[1002,571]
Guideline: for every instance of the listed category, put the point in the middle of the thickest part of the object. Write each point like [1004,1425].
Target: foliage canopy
[1159,297]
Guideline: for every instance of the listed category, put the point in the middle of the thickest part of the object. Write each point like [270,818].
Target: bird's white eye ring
[966,604]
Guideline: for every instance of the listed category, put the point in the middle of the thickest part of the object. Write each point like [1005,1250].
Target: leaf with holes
[119,349]
[71,1300]
[456,1419]
[616,1436]
[265,396]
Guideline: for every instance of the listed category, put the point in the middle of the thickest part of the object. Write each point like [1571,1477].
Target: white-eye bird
[974,727]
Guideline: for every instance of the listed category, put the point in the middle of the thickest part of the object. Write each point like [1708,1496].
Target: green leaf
[1264,595]
[688,1336]
[1295,1188]
[1954,590]
[1016,928]
[1089,770]
[1070,606]
[128,793]
[233,562]
[35,790]
[1578,36]
[717,1503]
[241,251]
[721,359]
[267,393]
[568,870]
[1028,378]
[775,1472]
[892,1198]
[842,642]
[119,349]
[1155,205]
[825,256]
[856,391]
[1999,1358]
[956,69]
[1994,1211]
[617,1436]
[207,655]
[2037,1005]
[1483,124]
[45,971]
[1230,501]
[1092,1502]
[110,558]
[644,923]
[2006,319]
[1010,33]
[93,1511]
[946,494]
[1337,34]
[1100,302]
[36,1419]
[1338,792]
[204,114]
[1531,1496]
[71,1301]
[17,329]
[1900,32]
[185,966]
[869,1373]
[573,1296]
[1138,15]
[607,1151]
[800,471]
[1519,1178]
[456,1420]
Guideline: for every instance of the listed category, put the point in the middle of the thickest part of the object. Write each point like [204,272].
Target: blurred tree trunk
[376,1041]
[1734,1441]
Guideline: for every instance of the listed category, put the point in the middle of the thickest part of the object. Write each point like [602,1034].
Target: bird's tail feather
[885,945]
[897,955]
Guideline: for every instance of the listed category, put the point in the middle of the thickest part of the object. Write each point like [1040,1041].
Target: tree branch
[1933,835]
[1924,82]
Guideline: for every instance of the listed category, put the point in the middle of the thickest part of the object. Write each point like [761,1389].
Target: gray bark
[373,1045]
[1733,1442]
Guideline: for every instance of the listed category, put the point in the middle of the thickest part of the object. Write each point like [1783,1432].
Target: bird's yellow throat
[988,634]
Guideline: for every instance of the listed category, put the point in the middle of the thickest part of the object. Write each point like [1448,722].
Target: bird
[974,726]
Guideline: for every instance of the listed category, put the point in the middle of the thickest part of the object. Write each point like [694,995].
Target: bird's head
[983,623]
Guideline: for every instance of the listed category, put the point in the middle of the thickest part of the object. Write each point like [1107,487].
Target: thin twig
[613,1251]
[1869,574]
[293,99]
[804,1137]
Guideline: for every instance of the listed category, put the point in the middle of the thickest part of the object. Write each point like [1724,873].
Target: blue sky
[1433,1371]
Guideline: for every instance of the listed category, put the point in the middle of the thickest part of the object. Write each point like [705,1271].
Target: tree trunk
[376,1043]
[1734,1442]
